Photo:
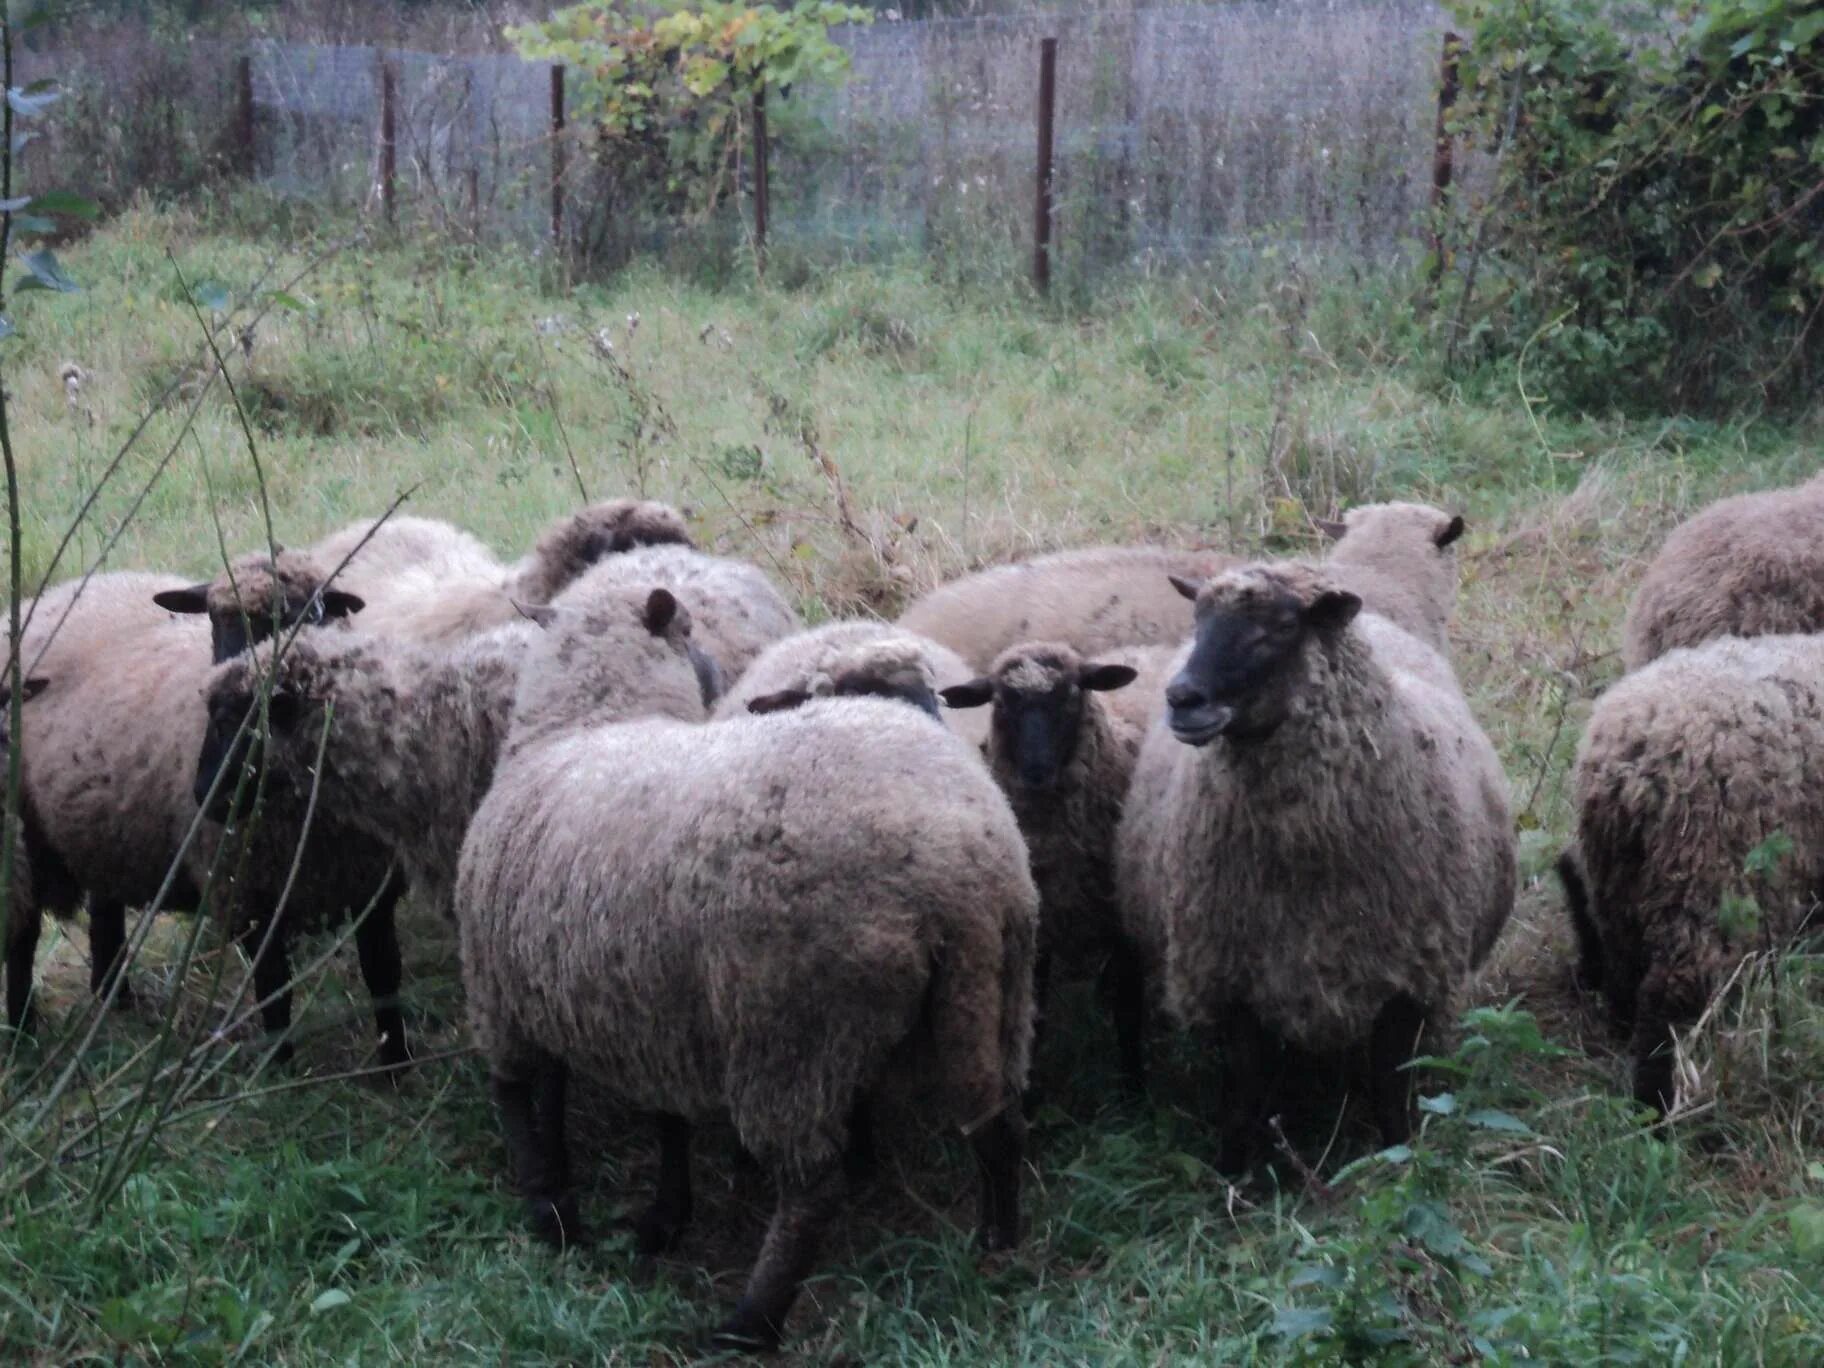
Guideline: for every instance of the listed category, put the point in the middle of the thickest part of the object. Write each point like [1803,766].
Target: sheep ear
[1101,678]
[195,599]
[971,695]
[661,608]
[339,603]
[1452,530]
[34,685]
[541,613]
[783,701]
[1333,530]
[1333,610]
[1186,587]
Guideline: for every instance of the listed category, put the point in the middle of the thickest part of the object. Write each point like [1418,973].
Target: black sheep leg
[999,1154]
[377,943]
[269,945]
[1250,1058]
[21,953]
[861,1160]
[803,1212]
[1125,980]
[1668,998]
[107,943]
[531,1108]
[657,1228]
[1397,1032]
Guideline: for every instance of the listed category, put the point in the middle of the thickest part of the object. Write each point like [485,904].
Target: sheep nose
[1181,693]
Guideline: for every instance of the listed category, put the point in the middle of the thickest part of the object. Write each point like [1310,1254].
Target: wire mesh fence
[1184,134]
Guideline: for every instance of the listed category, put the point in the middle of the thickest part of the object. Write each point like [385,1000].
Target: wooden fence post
[246,161]
[760,179]
[389,141]
[557,156]
[1041,223]
[1443,151]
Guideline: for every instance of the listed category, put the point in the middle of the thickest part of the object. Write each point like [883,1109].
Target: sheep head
[1037,690]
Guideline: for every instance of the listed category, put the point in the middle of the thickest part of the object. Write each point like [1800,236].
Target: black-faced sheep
[1748,566]
[1687,766]
[1317,848]
[256,592]
[1400,559]
[659,935]
[1091,600]
[1064,761]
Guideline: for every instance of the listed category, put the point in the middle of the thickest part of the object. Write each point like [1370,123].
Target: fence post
[389,142]
[1041,224]
[557,156]
[1443,151]
[245,160]
[760,181]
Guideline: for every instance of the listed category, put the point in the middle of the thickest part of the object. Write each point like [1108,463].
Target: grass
[300,1220]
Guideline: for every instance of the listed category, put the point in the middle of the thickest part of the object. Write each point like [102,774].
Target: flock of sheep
[729,866]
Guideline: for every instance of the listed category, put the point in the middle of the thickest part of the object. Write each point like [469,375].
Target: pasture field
[862,433]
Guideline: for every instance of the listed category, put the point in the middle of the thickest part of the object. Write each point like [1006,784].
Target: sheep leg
[1126,981]
[999,1156]
[1667,999]
[657,1228]
[272,983]
[377,943]
[1588,974]
[1397,1032]
[803,1212]
[107,942]
[531,1106]
[861,1160]
[1248,1054]
[21,954]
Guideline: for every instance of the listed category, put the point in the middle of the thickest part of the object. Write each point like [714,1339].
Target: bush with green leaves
[1656,235]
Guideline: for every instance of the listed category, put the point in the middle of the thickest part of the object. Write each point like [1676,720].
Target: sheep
[1748,566]
[21,922]
[1091,600]
[660,935]
[1400,558]
[376,550]
[107,760]
[1687,766]
[852,658]
[1064,759]
[1317,848]
[736,609]
[427,605]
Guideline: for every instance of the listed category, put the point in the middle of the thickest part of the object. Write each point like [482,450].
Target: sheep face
[253,593]
[236,741]
[1255,628]
[1037,693]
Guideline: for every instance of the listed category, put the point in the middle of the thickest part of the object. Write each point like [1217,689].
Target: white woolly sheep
[1748,566]
[659,936]
[1687,767]
[1091,600]
[1318,847]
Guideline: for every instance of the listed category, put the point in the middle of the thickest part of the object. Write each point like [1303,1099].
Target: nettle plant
[669,89]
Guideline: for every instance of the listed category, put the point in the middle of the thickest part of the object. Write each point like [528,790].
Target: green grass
[1535,1219]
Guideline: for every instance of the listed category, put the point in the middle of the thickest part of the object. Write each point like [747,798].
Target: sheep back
[1390,555]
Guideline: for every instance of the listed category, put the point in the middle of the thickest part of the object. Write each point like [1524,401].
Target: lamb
[1091,600]
[1748,566]
[1400,558]
[849,659]
[427,605]
[107,761]
[660,936]
[736,610]
[1317,849]
[1064,761]
[1688,765]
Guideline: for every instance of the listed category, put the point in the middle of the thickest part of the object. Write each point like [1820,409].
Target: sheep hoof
[557,1222]
[745,1333]
[657,1229]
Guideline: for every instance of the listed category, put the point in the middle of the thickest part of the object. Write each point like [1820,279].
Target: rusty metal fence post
[389,141]
[1041,222]
[1443,149]
[761,189]
[557,156]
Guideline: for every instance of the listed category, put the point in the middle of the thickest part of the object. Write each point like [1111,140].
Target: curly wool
[1686,767]
[1362,850]
[1389,556]
[1092,600]
[1748,566]
[660,936]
